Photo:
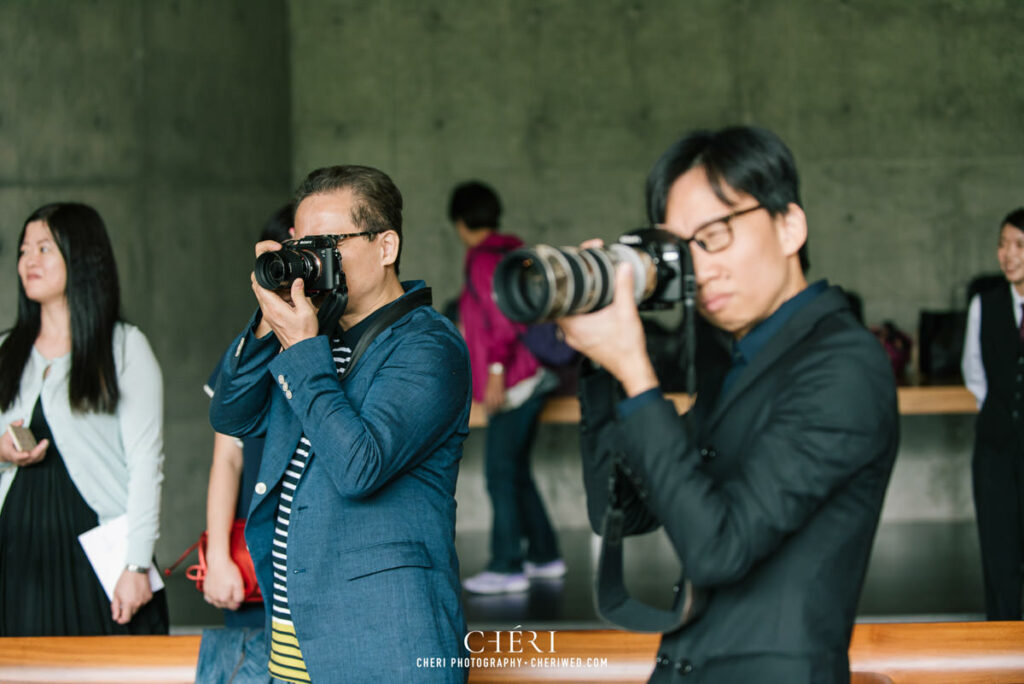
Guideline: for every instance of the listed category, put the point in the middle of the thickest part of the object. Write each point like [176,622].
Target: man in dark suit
[773,498]
[352,521]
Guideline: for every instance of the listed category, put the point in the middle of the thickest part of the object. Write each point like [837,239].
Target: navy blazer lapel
[795,328]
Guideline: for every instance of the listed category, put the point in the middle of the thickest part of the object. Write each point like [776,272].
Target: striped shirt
[286,660]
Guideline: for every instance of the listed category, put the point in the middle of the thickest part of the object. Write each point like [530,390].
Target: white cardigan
[115,460]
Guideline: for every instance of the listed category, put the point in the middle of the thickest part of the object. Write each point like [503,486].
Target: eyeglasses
[341,237]
[716,234]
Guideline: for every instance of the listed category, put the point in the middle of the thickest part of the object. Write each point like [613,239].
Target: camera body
[542,283]
[315,259]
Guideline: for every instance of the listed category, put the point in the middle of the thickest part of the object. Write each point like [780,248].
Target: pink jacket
[490,336]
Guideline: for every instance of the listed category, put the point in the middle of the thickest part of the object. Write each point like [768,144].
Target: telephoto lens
[542,283]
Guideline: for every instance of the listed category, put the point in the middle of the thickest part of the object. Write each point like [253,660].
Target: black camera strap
[610,594]
[330,311]
[386,318]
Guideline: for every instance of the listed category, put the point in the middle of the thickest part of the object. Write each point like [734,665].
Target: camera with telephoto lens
[315,259]
[542,283]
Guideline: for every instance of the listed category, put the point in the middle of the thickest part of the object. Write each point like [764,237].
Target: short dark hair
[476,203]
[94,300]
[378,206]
[1015,218]
[751,160]
[278,226]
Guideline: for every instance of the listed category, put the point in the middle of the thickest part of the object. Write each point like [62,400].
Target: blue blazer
[373,579]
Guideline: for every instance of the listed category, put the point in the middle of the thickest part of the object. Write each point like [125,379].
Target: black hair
[1015,218]
[278,226]
[378,206]
[751,160]
[94,302]
[477,204]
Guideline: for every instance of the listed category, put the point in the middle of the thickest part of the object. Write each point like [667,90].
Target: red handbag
[239,556]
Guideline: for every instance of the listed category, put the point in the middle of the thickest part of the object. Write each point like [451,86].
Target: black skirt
[47,586]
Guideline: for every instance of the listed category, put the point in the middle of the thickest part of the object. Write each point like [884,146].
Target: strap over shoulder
[402,306]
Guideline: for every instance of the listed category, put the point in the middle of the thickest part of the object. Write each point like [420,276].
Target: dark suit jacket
[772,503]
[373,579]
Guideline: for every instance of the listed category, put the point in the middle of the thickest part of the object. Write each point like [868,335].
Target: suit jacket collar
[797,327]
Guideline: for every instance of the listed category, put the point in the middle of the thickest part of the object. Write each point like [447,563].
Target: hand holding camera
[287,311]
[594,293]
[18,445]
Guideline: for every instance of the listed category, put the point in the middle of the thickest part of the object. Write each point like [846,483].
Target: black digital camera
[542,282]
[315,259]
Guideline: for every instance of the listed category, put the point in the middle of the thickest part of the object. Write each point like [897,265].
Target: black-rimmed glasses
[715,235]
[341,237]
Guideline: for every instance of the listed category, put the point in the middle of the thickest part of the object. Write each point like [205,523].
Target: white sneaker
[550,570]
[488,582]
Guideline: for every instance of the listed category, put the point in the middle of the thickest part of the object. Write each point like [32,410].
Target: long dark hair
[94,300]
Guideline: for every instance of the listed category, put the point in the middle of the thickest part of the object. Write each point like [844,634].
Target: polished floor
[918,571]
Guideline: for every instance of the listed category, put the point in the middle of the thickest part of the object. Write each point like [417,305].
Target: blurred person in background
[992,361]
[239,652]
[511,385]
[89,388]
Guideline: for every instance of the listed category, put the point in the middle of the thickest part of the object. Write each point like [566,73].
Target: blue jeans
[518,509]
[234,655]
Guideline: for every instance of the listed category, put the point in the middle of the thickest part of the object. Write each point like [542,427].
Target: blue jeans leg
[518,509]
[233,655]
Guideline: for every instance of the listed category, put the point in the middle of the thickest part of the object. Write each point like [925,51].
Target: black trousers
[998,479]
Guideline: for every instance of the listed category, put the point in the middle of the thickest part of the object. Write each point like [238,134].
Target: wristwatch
[131,567]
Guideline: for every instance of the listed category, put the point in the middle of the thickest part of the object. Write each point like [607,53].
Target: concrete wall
[904,118]
[172,119]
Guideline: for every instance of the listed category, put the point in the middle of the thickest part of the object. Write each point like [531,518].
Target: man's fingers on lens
[267,246]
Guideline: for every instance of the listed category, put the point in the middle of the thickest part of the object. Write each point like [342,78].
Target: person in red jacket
[511,384]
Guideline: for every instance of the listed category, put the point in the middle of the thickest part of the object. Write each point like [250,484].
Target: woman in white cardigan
[89,388]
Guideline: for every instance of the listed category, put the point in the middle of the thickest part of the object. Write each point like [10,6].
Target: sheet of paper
[105,547]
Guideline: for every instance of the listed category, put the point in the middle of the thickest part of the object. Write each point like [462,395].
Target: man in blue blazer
[771,498]
[352,522]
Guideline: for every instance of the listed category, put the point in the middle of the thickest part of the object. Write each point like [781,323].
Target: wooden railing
[880,653]
[916,400]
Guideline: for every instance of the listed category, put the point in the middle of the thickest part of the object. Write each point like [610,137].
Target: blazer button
[280,379]
[288,394]
[684,667]
[261,488]
[708,454]
[662,660]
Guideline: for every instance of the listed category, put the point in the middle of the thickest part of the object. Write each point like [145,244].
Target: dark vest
[1001,419]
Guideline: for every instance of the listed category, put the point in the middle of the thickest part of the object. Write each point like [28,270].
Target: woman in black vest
[993,367]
